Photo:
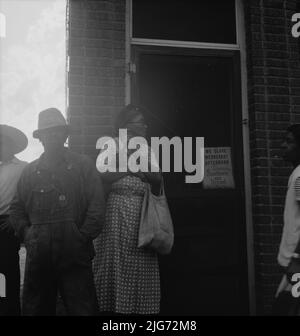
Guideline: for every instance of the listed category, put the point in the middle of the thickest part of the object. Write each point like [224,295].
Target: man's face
[290,148]
[53,138]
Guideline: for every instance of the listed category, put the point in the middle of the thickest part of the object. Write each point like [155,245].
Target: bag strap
[161,191]
[162,187]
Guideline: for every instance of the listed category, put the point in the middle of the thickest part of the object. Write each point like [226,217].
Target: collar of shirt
[41,164]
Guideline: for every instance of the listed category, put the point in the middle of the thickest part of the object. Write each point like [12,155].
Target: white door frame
[241,46]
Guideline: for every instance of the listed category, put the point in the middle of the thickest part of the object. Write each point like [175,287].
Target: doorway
[196,93]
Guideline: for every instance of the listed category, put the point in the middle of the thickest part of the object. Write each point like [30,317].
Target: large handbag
[156,230]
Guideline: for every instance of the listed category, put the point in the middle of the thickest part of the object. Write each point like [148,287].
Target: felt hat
[50,118]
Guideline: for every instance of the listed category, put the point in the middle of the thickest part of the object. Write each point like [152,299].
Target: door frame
[240,47]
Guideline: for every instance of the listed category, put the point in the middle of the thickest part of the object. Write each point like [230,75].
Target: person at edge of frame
[289,251]
[12,141]
[57,211]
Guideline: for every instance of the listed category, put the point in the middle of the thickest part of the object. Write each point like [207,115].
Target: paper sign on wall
[218,168]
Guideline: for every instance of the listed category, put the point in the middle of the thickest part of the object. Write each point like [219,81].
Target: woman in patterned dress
[127,277]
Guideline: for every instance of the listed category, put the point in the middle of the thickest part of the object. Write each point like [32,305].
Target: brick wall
[96,81]
[96,78]
[274,102]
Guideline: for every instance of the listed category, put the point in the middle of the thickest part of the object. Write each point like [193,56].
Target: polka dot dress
[127,277]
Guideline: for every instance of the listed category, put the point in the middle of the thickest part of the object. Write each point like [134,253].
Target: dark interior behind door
[196,94]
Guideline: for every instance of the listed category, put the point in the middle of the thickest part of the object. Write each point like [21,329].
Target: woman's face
[137,126]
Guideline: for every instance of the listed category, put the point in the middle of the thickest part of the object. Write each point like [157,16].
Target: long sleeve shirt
[10,173]
[291,229]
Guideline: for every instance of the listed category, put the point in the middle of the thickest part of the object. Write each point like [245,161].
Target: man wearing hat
[12,141]
[58,210]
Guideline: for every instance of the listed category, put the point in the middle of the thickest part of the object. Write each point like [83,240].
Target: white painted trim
[246,147]
[2,25]
[67,59]
[130,17]
[240,45]
[184,44]
[128,30]
[237,30]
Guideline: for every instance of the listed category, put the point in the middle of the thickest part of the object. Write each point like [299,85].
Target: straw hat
[12,136]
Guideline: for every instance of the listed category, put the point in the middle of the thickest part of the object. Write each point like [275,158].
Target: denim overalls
[58,203]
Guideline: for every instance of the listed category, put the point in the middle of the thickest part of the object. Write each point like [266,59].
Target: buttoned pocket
[43,198]
[47,199]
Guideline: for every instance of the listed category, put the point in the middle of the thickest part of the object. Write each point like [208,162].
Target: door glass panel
[192,98]
[199,21]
